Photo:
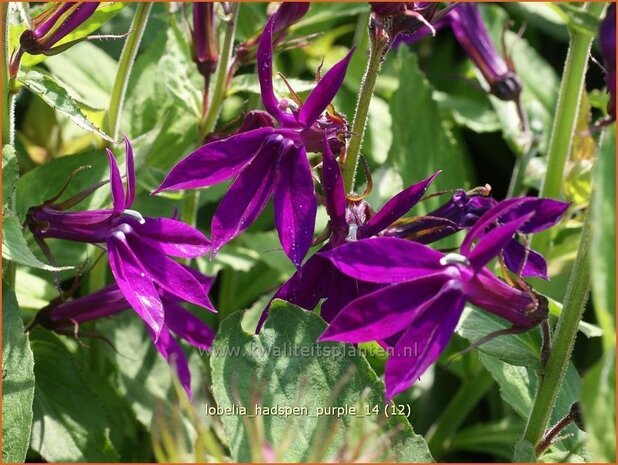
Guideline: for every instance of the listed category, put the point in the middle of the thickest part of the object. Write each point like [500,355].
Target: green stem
[210,119]
[127,58]
[565,118]
[516,185]
[563,340]
[377,48]
[8,98]
[469,394]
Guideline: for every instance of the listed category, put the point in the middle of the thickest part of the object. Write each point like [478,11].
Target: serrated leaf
[283,367]
[15,248]
[46,87]
[10,174]
[69,420]
[17,381]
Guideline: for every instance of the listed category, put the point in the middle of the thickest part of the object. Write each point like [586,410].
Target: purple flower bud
[405,18]
[607,37]
[205,52]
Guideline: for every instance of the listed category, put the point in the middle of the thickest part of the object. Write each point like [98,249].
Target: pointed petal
[187,326]
[334,191]
[171,351]
[135,284]
[384,312]
[424,341]
[534,266]
[118,198]
[324,92]
[295,204]
[490,293]
[395,208]
[385,260]
[172,237]
[493,242]
[342,291]
[215,161]
[130,198]
[547,212]
[168,274]
[246,197]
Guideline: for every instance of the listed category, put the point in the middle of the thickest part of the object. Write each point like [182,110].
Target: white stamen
[454,259]
[134,214]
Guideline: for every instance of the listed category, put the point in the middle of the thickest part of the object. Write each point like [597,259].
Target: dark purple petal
[324,92]
[422,344]
[172,237]
[171,351]
[334,192]
[168,274]
[493,242]
[246,197]
[187,326]
[118,197]
[422,229]
[288,14]
[295,204]
[395,208]
[342,291]
[385,260]
[130,197]
[50,33]
[490,293]
[384,312]
[135,284]
[546,213]
[534,265]
[216,161]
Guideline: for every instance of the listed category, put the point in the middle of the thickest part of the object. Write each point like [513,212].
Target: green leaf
[285,367]
[603,242]
[17,381]
[524,452]
[422,144]
[46,87]
[15,248]
[69,420]
[10,174]
[599,409]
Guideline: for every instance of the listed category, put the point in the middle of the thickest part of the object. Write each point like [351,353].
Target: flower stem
[563,340]
[377,48]
[8,97]
[127,58]
[563,130]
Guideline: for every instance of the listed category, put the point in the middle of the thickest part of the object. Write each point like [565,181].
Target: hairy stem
[377,48]
[8,98]
[565,118]
[127,58]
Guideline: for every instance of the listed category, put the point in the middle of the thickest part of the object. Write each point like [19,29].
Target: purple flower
[405,18]
[350,220]
[267,161]
[607,37]
[418,310]
[65,317]
[205,52]
[139,248]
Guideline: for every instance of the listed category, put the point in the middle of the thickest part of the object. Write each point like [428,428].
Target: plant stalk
[378,46]
[565,119]
[127,58]
[8,97]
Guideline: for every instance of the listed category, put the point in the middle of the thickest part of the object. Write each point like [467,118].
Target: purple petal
[534,265]
[130,162]
[424,341]
[295,204]
[246,197]
[171,351]
[384,312]
[135,285]
[215,161]
[168,274]
[493,242]
[265,73]
[324,92]
[172,237]
[187,326]
[488,292]
[385,260]
[395,208]
[118,197]
[547,212]
[342,291]
[334,191]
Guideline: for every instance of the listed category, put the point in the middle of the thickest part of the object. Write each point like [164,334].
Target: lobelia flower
[607,38]
[350,220]
[268,160]
[62,316]
[425,294]
[204,33]
[139,248]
